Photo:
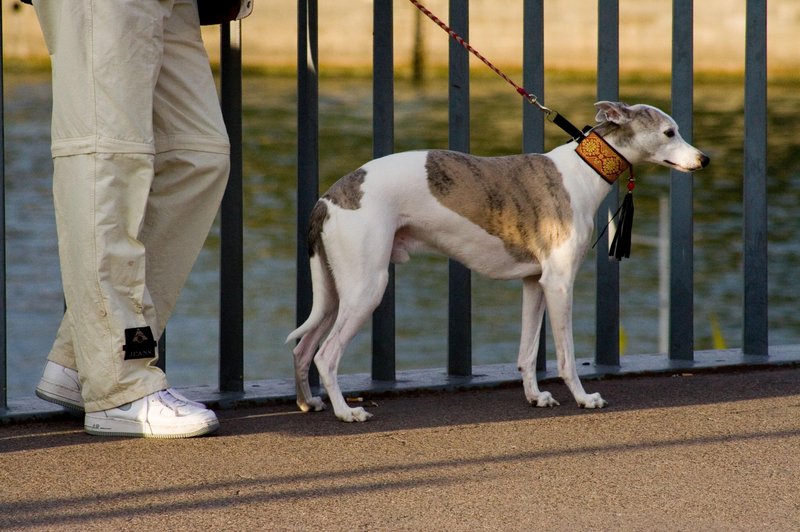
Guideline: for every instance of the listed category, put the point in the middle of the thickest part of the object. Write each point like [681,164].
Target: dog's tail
[325,297]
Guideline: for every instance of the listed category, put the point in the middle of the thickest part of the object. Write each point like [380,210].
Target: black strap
[566,125]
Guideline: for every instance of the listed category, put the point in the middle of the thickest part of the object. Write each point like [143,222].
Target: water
[34,292]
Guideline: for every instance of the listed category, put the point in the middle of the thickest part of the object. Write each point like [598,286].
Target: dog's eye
[670,133]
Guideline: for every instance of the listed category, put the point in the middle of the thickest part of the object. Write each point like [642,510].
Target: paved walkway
[690,452]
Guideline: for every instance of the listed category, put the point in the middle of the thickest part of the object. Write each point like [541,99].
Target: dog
[528,217]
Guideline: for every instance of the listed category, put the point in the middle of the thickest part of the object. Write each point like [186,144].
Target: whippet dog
[528,217]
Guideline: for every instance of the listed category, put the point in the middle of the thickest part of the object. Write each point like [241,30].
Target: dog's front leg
[558,294]
[532,313]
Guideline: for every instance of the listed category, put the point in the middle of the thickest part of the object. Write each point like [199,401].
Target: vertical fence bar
[231,325]
[307,151]
[533,74]
[681,297]
[533,118]
[161,347]
[3,313]
[383,320]
[607,288]
[755,330]
[459,334]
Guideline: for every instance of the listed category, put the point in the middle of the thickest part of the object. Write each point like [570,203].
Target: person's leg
[106,56]
[100,202]
[106,194]
[191,163]
[190,171]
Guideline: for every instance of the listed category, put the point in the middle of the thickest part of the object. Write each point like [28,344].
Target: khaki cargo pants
[141,159]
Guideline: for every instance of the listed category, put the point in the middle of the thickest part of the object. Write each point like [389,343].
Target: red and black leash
[550,114]
[592,148]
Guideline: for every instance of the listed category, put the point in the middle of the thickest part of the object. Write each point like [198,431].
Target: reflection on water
[35,301]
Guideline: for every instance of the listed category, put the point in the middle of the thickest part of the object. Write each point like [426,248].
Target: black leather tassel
[621,244]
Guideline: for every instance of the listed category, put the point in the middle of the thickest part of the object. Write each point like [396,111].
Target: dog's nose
[704,160]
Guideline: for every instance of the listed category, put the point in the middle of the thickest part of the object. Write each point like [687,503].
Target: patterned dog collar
[604,159]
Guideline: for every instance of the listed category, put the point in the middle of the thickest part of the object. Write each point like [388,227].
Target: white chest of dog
[526,217]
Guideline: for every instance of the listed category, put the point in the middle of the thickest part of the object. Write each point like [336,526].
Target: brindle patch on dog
[520,199]
[346,192]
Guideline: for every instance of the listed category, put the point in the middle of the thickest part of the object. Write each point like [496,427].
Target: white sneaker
[164,414]
[60,385]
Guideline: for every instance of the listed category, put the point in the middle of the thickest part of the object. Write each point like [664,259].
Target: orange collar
[604,159]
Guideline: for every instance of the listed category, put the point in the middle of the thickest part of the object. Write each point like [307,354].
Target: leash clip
[534,100]
[548,113]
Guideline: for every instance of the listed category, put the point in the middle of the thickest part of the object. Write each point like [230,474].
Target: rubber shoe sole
[135,430]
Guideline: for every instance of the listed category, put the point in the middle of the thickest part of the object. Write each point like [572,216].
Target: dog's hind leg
[327,362]
[303,355]
[558,295]
[532,313]
[358,246]
[319,321]
[359,298]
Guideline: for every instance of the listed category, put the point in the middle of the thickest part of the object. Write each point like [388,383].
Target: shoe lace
[176,401]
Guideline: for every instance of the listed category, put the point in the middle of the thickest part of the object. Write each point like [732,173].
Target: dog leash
[592,148]
[553,116]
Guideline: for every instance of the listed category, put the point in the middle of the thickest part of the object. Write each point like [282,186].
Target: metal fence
[681,348]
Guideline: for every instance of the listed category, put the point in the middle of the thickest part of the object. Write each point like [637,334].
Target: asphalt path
[716,451]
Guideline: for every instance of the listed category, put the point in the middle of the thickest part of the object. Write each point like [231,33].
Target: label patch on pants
[139,343]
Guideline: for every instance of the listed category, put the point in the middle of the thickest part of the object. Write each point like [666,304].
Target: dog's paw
[354,414]
[543,400]
[592,400]
[315,404]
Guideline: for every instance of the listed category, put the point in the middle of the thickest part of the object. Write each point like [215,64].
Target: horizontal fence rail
[232,381]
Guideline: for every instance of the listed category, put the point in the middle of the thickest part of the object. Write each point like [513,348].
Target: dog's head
[643,133]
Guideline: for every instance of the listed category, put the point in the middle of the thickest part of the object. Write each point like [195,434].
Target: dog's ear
[616,112]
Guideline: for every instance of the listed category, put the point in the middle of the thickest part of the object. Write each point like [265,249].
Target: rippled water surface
[34,292]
